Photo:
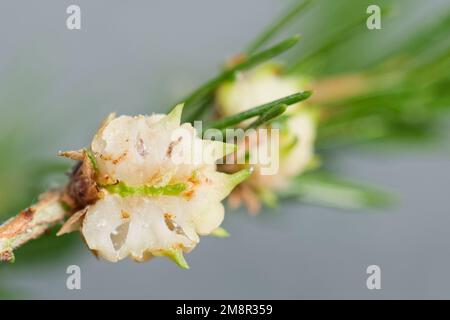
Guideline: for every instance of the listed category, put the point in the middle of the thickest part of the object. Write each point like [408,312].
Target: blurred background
[56,85]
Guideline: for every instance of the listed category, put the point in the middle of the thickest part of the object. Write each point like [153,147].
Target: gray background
[56,85]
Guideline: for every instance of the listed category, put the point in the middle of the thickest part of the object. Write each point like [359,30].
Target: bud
[297,130]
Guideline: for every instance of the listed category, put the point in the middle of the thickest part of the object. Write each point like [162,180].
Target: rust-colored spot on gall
[155,178]
[124,214]
[194,180]
[105,158]
[177,246]
[168,221]
[119,159]
[189,193]
[171,146]
[172,225]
